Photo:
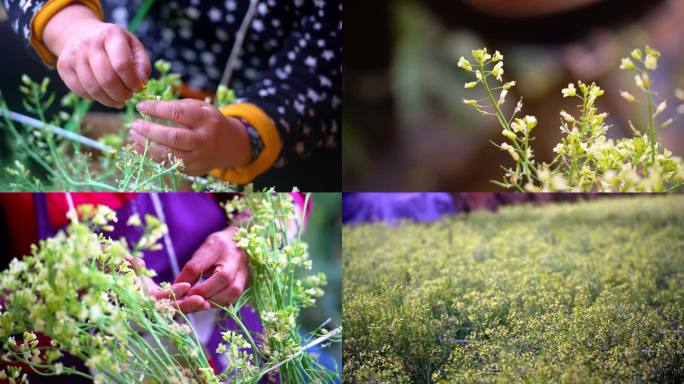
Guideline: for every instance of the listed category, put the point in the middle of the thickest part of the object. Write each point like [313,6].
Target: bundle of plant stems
[44,161]
[80,289]
[586,159]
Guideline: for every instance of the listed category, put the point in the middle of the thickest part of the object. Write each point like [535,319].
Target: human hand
[96,60]
[203,137]
[153,289]
[227,266]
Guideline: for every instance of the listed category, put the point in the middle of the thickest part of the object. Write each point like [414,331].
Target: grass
[574,293]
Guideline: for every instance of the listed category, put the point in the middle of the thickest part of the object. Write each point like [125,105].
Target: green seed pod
[44,84]
[162,66]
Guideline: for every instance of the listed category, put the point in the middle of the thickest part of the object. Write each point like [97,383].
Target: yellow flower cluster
[586,159]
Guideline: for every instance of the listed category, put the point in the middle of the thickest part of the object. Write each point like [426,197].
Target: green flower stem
[242,326]
[522,152]
[140,15]
[490,95]
[651,125]
[160,175]
[140,167]
[27,147]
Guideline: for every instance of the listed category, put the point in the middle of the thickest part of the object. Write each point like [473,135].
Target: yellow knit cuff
[41,19]
[273,144]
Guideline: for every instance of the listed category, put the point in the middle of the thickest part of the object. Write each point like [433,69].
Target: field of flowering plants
[574,293]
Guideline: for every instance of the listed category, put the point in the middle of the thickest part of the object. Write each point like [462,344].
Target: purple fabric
[393,207]
[191,218]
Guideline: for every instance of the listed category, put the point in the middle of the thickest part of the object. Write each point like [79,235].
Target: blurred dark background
[405,127]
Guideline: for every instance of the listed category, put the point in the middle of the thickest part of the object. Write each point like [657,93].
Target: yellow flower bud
[626,64]
[627,96]
[498,71]
[465,64]
[569,91]
[509,134]
[509,85]
[567,117]
[651,62]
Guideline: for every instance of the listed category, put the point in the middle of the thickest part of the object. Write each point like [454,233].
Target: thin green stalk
[242,326]
[490,95]
[159,175]
[651,126]
[140,15]
[140,167]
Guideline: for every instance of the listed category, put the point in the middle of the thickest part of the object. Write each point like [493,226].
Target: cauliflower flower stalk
[586,160]
[80,289]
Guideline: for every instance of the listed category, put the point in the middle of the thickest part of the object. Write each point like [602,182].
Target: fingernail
[142,107]
[181,289]
[206,305]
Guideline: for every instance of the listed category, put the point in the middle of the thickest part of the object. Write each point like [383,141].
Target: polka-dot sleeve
[28,19]
[302,89]
[20,14]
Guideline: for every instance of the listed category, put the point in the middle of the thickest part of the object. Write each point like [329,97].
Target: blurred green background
[324,236]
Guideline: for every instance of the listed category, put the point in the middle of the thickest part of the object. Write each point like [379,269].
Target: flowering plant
[586,159]
[45,161]
[84,291]
[589,292]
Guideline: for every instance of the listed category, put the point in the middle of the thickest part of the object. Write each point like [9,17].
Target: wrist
[256,143]
[237,138]
[70,22]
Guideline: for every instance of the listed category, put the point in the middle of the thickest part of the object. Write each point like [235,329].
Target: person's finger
[107,78]
[68,75]
[202,260]
[143,67]
[223,276]
[158,152]
[135,146]
[90,84]
[230,294]
[193,304]
[179,290]
[121,57]
[136,262]
[183,112]
[178,138]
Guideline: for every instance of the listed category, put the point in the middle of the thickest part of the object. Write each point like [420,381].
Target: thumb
[179,290]
[143,68]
